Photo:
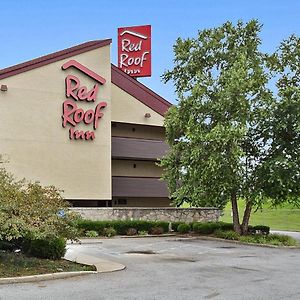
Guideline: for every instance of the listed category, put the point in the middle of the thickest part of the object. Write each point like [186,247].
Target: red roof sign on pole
[134,50]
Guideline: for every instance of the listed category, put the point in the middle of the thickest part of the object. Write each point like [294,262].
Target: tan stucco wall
[36,144]
[138,131]
[127,109]
[142,169]
[144,202]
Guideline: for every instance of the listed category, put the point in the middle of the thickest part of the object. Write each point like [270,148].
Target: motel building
[74,120]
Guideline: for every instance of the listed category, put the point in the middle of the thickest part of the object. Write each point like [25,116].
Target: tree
[31,211]
[280,173]
[227,134]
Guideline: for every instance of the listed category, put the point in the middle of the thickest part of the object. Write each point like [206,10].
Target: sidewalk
[101,265]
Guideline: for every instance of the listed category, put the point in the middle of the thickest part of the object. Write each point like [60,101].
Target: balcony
[139,187]
[138,149]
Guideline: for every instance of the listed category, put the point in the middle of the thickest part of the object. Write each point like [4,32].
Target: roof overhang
[118,77]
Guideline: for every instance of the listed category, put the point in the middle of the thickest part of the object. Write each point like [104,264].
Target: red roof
[118,77]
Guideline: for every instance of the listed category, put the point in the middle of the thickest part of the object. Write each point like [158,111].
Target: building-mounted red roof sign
[134,50]
[75,92]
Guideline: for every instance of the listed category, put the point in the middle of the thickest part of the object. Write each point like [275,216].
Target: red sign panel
[134,50]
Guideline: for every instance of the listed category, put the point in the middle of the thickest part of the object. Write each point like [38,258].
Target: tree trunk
[246,217]
[235,214]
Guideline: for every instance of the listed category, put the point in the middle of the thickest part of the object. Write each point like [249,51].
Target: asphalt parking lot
[175,268]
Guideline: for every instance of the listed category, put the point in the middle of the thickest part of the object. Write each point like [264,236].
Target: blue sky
[32,28]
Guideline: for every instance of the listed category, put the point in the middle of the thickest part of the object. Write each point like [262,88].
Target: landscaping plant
[131,231]
[91,233]
[33,215]
[206,227]
[183,228]
[157,230]
[109,232]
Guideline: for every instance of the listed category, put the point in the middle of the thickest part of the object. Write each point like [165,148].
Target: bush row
[94,228]
[211,227]
[122,227]
[202,227]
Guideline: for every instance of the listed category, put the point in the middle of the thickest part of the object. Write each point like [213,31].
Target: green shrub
[6,245]
[174,225]
[271,239]
[21,212]
[109,232]
[283,240]
[225,226]
[183,228]
[51,248]
[122,227]
[228,235]
[142,232]
[131,231]
[205,228]
[211,227]
[260,229]
[91,233]
[163,225]
[156,230]
[255,238]
[88,225]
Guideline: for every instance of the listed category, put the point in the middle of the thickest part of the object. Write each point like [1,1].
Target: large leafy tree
[231,136]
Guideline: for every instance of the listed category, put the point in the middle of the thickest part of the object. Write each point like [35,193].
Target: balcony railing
[138,149]
[139,187]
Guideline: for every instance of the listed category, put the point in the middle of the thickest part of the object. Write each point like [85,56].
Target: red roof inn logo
[134,50]
[72,114]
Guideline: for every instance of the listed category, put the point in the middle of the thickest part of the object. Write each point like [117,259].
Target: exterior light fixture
[147,115]
[3,88]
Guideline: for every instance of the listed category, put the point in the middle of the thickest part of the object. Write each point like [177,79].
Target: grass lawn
[17,264]
[284,218]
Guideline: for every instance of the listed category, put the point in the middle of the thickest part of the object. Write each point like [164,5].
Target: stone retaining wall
[149,214]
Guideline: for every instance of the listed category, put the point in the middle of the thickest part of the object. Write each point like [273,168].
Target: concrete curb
[146,236]
[85,241]
[43,277]
[102,266]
